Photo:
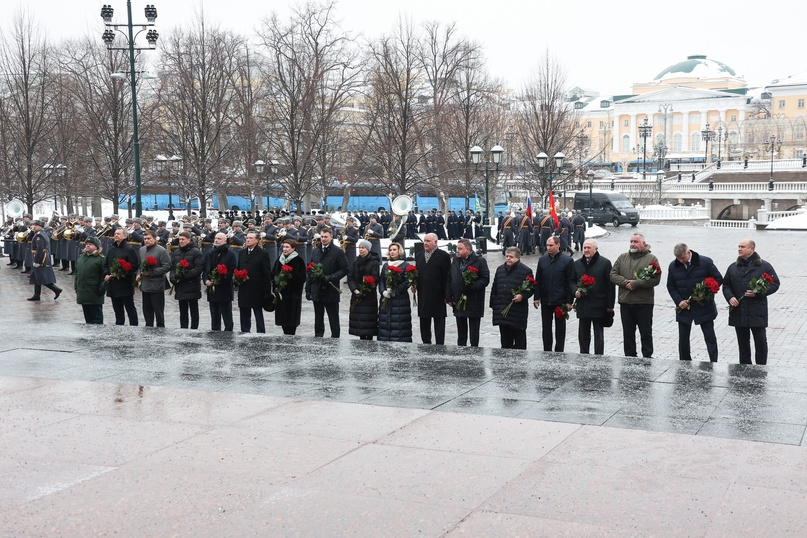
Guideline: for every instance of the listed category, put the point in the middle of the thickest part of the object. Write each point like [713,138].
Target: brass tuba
[401,206]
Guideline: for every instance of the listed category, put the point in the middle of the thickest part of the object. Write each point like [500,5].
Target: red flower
[151,260]
[767,277]
[532,281]
[588,280]
[240,275]
[287,268]
[222,269]
[656,267]
[184,264]
[411,269]
[472,269]
[310,266]
[561,312]
[369,280]
[712,284]
[126,266]
[394,269]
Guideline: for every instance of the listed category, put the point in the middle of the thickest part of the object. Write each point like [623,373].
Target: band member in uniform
[578,231]
[373,234]
[269,241]
[42,273]
[350,236]
[187,281]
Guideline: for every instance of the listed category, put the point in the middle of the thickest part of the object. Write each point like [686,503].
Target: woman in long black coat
[363,306]
[290,298]
[395,318]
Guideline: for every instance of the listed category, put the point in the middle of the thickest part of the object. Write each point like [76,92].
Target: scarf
[283,259]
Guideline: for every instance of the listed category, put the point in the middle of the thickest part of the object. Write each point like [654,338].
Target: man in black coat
[509,277]
[121,287]
[253,292]
[433,265]
[324,293]
[467,299]
[220,296]
[593,306]
[686,271]
[187,280]
[749,313]
[556,288]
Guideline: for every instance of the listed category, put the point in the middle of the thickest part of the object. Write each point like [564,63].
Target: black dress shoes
[34,298]
[58,292]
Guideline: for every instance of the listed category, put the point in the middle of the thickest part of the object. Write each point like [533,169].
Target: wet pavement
[143,431]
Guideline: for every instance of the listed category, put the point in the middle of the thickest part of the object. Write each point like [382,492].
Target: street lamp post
[175,161]
[109,38]
[543,160]
[659,152]
[719,144]
[590,199]
[772,146]
[708,136]
[496,157]
[645,132]
[260,166]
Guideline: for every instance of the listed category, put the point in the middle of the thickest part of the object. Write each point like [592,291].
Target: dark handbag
[608,320]
[269,303]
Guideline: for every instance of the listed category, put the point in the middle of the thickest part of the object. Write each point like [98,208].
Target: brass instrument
[342,239]
[58,232]
[70,233]
[21,237]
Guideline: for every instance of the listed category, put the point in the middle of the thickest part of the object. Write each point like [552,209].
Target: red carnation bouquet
[318,272]
[216,275]
[412,278]
[469,276]
[759,285]
[704,291]
[282,280]
[393,278]
[528,284]
[240,276]
[119,268]
[561,312]
[365,288]
[648,272]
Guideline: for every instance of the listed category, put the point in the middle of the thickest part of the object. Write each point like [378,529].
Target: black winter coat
[363,308]
[475,291]
[188,286]
[431,284]
[506,280]
[556,282]
[752,311]
[681,283]
[259,284]
[395,320]
[602,295]
[334,265]
[289,307]
[121,287]
[224,291]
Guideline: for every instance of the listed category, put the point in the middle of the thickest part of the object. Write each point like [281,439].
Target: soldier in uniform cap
[239,238]
[373,234]
[136,237]
[42,273]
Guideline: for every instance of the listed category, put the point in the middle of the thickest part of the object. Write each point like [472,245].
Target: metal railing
[750,223]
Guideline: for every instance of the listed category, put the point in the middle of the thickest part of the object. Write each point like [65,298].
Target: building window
[625,143]
[781,103]
[734,118]
[602,124]
[801,103]
[588,124]
[626,123]
[678,140]
[695,142]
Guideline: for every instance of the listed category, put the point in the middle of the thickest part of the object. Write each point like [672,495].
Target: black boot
[34,298]
[57,292]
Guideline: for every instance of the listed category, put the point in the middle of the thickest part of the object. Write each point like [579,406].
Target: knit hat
[364,243]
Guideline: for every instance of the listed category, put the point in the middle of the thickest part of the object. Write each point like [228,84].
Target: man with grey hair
[594,302]
[433,266]
[686,271]
[633,275]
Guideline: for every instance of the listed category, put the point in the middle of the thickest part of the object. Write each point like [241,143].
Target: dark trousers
[93,314]
[319,318]
[439,330]
[760,344]
[246,319]
[584,335]
[466,327]
[513,338]
[547,317]
[187,306]
[38,289]
[708,329]
[121,304]
[633,316]
[154,308]
[221,311]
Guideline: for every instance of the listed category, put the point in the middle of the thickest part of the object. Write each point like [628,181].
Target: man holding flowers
[636,273]
[468,277]
[594,297]
[748,282]
[119,274]
[220,262]
[554,293]
[187,263]
[155,264]
[692,281]
[254,277]
[510,295]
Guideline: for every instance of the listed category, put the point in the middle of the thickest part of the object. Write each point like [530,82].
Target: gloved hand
[387,294]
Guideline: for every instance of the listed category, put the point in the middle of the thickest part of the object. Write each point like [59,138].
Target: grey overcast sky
[605,46]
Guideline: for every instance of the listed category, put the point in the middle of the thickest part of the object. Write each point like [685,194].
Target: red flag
[529,207]
[552,212]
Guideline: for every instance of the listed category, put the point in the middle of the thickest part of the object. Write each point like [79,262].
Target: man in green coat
[90,285]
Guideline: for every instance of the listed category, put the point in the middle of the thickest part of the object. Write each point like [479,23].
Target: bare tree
[547,122]
[26,76]
[195,104]
[313,68]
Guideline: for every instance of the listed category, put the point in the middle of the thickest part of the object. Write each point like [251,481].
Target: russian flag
[529,207]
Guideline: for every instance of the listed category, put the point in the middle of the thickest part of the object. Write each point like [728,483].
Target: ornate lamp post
[543,160]
[496,153]
[260,166]
[645,132]
[708,136]
[719,144]
[151,37]
[175,161]
[773,146]
[659,152]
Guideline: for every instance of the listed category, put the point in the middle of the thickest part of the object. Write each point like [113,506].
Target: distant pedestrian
[749,308]
[688,270]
